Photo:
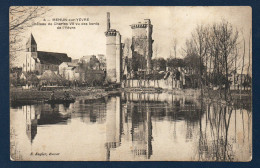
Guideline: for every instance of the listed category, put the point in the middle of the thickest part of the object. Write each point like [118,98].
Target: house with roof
[40,61]
[71,71]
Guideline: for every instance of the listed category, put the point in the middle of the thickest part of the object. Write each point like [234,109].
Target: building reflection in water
[32,117]
[113,124]
[217,132]
[90,111]
[141,130]
[142,108]
[43,114]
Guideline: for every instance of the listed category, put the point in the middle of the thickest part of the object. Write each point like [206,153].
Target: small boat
[60,101]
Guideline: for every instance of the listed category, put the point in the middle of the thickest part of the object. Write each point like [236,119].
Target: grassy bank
[35,95]
[243,99]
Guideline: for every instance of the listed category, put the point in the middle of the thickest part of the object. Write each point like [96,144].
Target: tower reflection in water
[134,124]
[32,117]
[43,114]
[140,131]
[142,110]
[113,124]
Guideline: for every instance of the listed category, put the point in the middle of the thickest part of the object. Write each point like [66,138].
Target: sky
[168,23]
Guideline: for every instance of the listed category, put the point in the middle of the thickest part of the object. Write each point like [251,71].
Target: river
[132,127]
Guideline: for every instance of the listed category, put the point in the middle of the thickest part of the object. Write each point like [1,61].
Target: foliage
[159,64]
[212,51]
[175,62]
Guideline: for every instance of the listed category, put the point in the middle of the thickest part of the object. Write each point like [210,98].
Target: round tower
[113,53]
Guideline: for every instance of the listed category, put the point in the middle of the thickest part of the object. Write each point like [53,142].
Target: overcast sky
[168,23]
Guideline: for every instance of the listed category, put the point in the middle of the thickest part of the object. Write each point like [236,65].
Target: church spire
[31,40]
[31,45]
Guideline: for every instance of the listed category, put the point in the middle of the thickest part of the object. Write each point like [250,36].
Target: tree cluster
[213,49]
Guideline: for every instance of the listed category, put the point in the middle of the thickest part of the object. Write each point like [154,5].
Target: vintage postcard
[131,83]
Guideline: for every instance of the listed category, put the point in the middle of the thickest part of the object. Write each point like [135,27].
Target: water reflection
[221,135]
[113,124]
[43,114]
[138,126]
[31,121]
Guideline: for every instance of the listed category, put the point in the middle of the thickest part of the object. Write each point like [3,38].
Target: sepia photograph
[130,83]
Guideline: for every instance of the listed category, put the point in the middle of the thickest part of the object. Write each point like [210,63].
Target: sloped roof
[50,76]
[31,40]
[30,76]
[69,65]
[25,74]
[52,58]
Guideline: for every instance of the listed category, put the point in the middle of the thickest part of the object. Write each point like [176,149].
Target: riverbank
[231,96]
[32,96]
[19,96]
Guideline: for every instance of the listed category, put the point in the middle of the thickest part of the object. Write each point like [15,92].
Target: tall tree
[201,47]
[227,41]
[20,19]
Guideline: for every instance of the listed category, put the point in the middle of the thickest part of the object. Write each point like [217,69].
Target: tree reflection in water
[136,125]
[216,139]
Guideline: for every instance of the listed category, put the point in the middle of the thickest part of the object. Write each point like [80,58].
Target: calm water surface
[132,127]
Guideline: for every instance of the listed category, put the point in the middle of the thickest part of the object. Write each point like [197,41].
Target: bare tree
[227,41]
[244,51]
[200,39]
[224,52]
[20,19]
[249,53]
[216,47]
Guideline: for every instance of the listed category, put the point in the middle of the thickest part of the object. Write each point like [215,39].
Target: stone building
[40,61]
[70,71]
[87,69]
[142,45]
[114,50]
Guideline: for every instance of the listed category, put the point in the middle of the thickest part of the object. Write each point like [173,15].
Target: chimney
[108,21]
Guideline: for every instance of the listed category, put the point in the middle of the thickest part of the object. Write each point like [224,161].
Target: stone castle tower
[142,41]
[113,53]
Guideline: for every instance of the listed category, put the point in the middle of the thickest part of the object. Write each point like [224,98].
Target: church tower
[31,45]
[31,54]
